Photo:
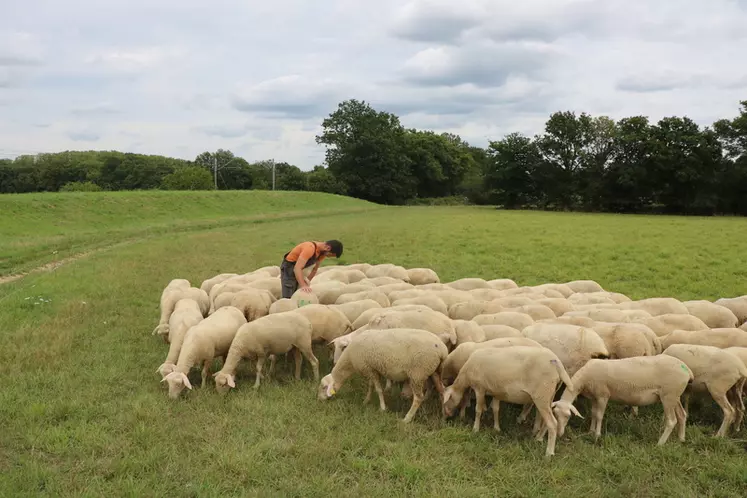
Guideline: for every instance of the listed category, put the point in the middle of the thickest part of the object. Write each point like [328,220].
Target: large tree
[365,149]
[511,171]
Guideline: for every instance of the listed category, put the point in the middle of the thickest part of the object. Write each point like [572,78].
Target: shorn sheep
[516,374]
[399,355]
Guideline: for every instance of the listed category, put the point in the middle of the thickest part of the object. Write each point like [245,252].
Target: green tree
[189,178]
[80,187]
[365,149]
[511,170]
[320,179]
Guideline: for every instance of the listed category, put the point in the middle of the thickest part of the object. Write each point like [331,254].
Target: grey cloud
[224,131]
[661,82]
[485,65]
[83,136]
[95,109]
[428,21]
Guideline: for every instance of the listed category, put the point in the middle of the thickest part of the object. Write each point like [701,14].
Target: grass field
[83,413]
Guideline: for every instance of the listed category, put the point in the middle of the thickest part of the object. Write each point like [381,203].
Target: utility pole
[215,171]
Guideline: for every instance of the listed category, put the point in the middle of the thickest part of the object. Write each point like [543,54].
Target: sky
[181,77]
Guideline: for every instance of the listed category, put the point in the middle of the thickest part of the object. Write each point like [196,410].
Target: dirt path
[50,266]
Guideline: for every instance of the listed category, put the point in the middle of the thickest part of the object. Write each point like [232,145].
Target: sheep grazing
[176,290]
[536,311]
[467,310]
[433,302]
[389,289]
[467,284]
[398,355]
[574,345]
[515,374]
[720,338]
[740,353]
[499,331]
[327,323]
[387,270]
[716,372]
[468,331]
[513,319]
[737,305]
[713,315]
[582,321]
[187,314]
[584,286]
[422,276]
[558,305]
[657,306]
[375,295]
[282,305]
[268,336]
[430,320]
[624,340]
[209,339]
[638,381]
[666,323]
[254,303]
[211,282]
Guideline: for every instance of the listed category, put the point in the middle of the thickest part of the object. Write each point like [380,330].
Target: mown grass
[36,229]
[84,414]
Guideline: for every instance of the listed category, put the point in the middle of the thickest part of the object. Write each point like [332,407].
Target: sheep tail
[563,374]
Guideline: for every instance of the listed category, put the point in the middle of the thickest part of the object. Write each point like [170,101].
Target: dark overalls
[288,280]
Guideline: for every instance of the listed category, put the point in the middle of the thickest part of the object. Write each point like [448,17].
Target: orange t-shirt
[305,250]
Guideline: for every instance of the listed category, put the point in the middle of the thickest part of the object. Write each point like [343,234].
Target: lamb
[398,355]
[717,372]
[511,318]
[637,381]
[209,339]
[499,331]
[169,297]
[516,374]
[713,315]
[502,284]
[186,314]
[584,286]
[422,276]
[354,309]
[574,345]
[377,296]
[282,305]
[269,335]
[720,338]
[430,320]
[433,302]
[466,284]
[737,305]
[666,323]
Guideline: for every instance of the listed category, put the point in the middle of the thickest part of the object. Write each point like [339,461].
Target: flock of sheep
[466,339]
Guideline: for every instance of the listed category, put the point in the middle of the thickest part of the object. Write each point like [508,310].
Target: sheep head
[177,382]
[327,387]
[563,411]
[452,399]
[224,382]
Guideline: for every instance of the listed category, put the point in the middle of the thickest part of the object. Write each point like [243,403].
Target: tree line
[578,162]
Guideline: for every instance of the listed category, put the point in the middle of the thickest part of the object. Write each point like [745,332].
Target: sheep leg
[417,399]
[681,420]
[524,413]
[271,370]
[260,364]
[600,408]
[297,360]
[550,423]
[496,406]
[368,393]
[686,401]
[466,401]
[388,386]
[538,430]
[670,412]
[733,395]
[205,372]
[308,353]
[726,407]
[379,391]
[480,395]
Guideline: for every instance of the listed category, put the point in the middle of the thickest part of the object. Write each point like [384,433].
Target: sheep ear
[447,394]
[231,382]
[186,381]
[575,412]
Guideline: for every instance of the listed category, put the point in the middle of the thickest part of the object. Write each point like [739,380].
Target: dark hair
[335,247]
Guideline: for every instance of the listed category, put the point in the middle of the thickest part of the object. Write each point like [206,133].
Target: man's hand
[305,288]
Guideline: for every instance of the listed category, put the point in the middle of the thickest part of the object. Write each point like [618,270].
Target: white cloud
[181,77]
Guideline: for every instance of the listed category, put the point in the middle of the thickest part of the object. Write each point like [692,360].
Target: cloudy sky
[178,77]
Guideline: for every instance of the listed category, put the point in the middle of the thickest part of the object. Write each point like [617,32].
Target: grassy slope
[39,228]
[83,412]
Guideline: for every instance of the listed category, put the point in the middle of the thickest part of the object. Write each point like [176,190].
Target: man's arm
[313,272]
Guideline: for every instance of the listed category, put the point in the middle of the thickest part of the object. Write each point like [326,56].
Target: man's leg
[288,281]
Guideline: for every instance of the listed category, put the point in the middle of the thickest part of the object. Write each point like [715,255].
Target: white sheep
[720,338]
[387,270]
[502,284]
[515,374]
[624,340]
[713,315]
[737,305]
[452,296]
[187,314]
[636,381]
[422,276]
[354,309]
[458,357]
[657,306]
[511,318]
[563,289]
[716,372]
[268,336]
[433,302]
[389,289]
[558,305]
[740,353]
[209,339]
[327,322]
[429,320]
[536,311]
[468,331]
[254,303]
[398,355]
[170,296]
[469,283]
[574,345]
[583,321]
[584,286]
[375,295]
[365,317]
[498,331]
[271,284]
[486,294]
[666,323]
[209,283]
[467,310]
[282,305]
[380,281]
